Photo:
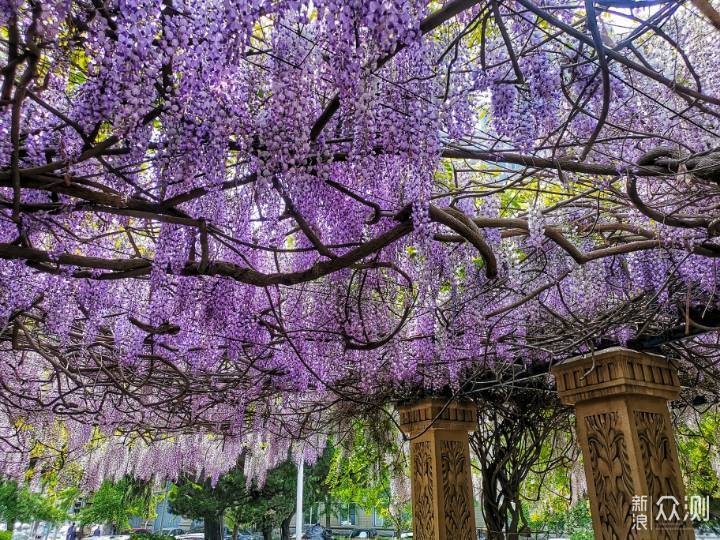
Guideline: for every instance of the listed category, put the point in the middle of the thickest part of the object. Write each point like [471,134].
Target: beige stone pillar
[629,452]
[442,495]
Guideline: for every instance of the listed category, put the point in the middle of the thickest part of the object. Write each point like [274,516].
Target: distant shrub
[148,536]
[582,535]
[5,535]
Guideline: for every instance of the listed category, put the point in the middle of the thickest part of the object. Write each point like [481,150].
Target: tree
[18,503]
[521,430]
[9,503]
[208,500]
[114,503]
[273,504]
[264,505]
[244,222]
[371,471]
[317,489]
[699,451]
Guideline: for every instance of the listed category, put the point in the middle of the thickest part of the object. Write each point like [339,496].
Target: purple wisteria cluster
[224,225]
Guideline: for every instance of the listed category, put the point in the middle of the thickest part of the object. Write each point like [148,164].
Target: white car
[191,536]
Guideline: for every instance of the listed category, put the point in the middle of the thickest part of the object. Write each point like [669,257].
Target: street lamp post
[299,501]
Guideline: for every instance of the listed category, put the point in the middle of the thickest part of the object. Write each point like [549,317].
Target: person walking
[71,532]
[96,532]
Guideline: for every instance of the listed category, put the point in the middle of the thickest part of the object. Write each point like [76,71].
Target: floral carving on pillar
[659,466]
[424,522]
[611,475]
[455,478]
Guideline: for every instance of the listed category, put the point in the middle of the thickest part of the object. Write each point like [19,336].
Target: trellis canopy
[222,224]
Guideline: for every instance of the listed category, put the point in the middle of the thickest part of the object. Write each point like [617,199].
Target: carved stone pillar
[629,451]
[442,495]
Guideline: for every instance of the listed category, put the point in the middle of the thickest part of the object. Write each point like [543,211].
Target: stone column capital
[436,414]
[614,372]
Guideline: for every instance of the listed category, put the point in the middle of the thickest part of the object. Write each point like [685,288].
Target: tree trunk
[327,510]
[513,425]
[398,528]
[10,524]
[267,533]
[214,529]
[493,509]
[493,524]
[285,528]
[236,529]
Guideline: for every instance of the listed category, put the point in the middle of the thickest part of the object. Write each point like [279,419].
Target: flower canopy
[225,223]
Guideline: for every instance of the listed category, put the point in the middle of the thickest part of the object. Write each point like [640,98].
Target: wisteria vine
[224,225]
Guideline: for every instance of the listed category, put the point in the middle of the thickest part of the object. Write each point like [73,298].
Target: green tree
[264,508]
[235,519]
[116,503]
[208,501]
[361,473]
[9,503]
[316,489]
[699,452]
[272,505]
[18,503]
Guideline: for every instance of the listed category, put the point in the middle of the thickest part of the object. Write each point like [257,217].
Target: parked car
[198,533]
[248,535]
[364,533]
[317,532]
[172,531]
[191,536]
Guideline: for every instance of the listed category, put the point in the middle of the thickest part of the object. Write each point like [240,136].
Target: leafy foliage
[699,452]
[363,473]
[151,536]
[18,503]
[116,502]
[9,501]
[207,499]
[266,507]
[572,520]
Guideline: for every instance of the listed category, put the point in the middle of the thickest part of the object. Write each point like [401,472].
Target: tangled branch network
[224,225]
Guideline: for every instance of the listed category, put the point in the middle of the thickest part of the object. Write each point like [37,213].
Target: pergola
[226,225]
